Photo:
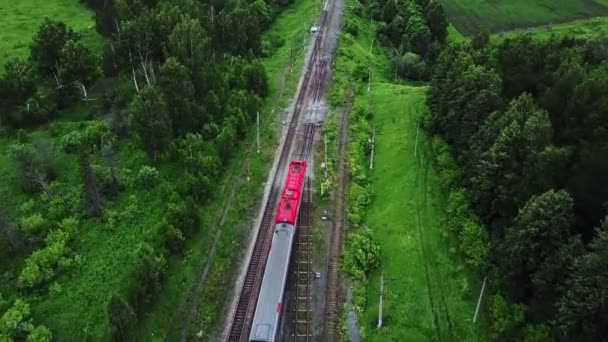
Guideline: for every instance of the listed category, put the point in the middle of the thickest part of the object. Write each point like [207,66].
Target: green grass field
[20,20]
[469,16]
[578,28]
[427,296]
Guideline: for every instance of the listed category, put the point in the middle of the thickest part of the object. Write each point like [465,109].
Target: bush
[361,72]
[506,320]
[40,334]
[16,323]
[351,27]
[410,66]
[172,238]
[445,163]
[147,280]
[148,176]
[42,265]
[474,243]
[362,255]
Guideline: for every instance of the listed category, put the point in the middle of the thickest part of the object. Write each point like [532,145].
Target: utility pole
[257,120]
[483,287]
[416,146]
[381,295]
[369,78]
[371,159]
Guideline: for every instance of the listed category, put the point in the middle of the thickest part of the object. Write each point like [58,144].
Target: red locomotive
[268,309]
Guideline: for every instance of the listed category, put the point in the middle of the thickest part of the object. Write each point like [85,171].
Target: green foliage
[35,165]
[43,264]
[17,84]
[40,334]
[121,317]
[147,277]
[77,64]
[151,121]
[362,255]
[47,44]
[148,177]
[507,319]
[580,309]
[178,90]
[15,323]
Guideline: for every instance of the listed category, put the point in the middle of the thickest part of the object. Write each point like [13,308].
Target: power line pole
[381,297]
[371,159]
[369,78]
[257,120]
[483,287]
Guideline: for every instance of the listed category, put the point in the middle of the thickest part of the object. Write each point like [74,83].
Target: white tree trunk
[135,80]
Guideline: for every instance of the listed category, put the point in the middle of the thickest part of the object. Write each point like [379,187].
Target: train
[270,300]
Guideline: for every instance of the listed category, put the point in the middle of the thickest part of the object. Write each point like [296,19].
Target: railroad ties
[303,269]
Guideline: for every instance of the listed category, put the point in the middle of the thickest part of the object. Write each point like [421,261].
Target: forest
[521,129]
[178,80]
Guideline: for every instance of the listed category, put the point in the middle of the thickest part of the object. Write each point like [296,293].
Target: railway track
[240,324]
[302,301]
[340,225]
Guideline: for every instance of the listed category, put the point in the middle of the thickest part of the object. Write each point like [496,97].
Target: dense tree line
[412,30]
[526,122]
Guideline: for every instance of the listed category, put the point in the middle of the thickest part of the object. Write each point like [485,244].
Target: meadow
[428,295]
[20,20]
[469,16]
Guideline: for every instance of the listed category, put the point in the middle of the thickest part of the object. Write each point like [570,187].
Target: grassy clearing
[578,28]
[469,16]
[427,296]
[20,20]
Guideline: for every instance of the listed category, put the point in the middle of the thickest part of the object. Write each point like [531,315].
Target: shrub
[506,320]
[362,255]
[147,280]
[33,224]
[40,334]
[41,266]
[148,176]
[474,243]
[172,238]
[16,321]
[351,27]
